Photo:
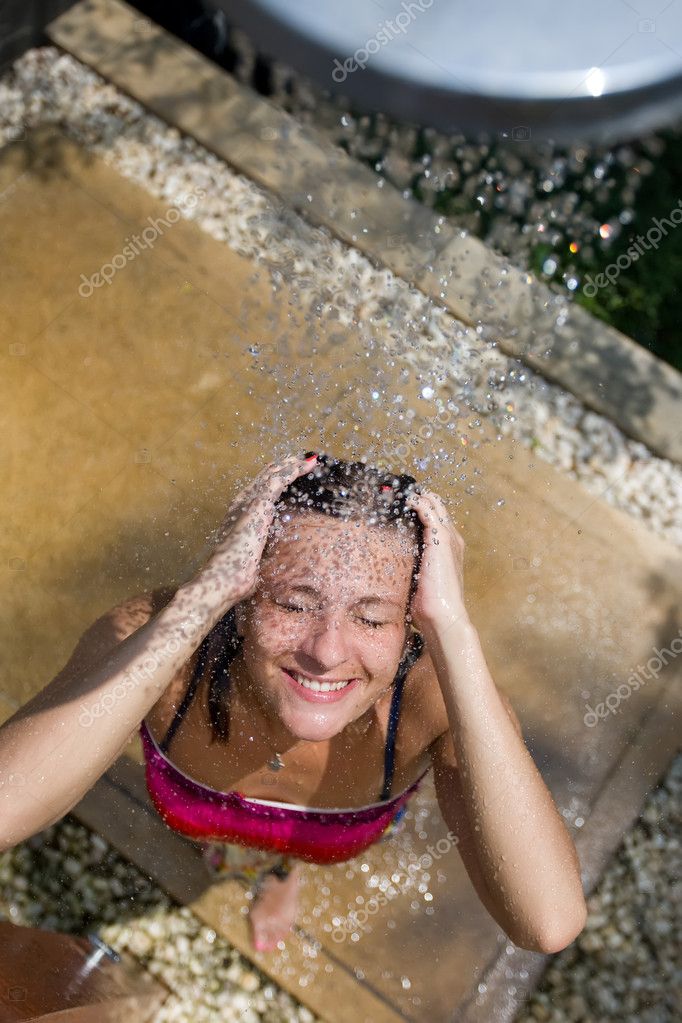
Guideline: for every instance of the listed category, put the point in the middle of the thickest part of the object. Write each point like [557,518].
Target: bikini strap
[415,649]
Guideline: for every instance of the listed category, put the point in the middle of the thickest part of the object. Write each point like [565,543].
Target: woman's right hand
[231,571]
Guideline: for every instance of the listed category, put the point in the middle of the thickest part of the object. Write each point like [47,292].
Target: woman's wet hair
[357,491]
[344,490]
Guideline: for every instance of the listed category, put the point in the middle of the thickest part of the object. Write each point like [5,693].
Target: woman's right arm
[55,747]
[53,750]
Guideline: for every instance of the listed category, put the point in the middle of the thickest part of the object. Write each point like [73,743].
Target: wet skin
[331,605]
[349,623]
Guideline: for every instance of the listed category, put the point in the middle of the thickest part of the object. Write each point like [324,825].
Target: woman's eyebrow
[373,599]
[377,600]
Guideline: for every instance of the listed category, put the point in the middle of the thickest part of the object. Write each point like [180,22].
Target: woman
[290,657]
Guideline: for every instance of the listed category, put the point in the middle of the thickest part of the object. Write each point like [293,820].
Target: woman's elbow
[9,834]
[8,838]
[558,937]
[17,829]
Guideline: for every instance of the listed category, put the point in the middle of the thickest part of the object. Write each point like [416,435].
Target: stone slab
[604,368]
[131,415]
[560,340]
[508,982]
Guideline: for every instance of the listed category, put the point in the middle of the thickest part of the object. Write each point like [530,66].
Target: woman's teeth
[319,687]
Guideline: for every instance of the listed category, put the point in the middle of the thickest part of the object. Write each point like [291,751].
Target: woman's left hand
[439,598]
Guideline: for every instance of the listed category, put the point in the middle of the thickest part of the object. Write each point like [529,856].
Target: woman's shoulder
[125,618]
[135,611]
[112,627]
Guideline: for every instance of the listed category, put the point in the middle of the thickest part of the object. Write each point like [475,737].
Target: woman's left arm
[499,805]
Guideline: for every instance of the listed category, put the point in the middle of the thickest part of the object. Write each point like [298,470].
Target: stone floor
[187,331]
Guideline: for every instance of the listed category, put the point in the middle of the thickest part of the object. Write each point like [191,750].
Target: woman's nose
[326,641]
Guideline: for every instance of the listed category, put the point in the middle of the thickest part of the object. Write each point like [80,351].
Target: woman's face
[330,608]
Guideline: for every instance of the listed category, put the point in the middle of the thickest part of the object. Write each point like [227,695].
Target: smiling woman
[322,656]
[297,674]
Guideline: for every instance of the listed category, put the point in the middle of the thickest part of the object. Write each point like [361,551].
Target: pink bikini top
[314,834]
[318,835]
[308,833]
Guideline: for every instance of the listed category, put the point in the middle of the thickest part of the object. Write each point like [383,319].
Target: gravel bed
[626,953]
[511,196]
